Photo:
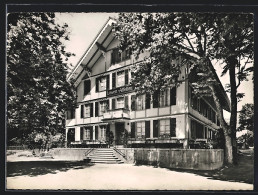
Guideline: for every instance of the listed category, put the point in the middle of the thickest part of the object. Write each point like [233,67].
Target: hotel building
[107,103]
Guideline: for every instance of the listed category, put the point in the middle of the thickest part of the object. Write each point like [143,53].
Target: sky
[85,26]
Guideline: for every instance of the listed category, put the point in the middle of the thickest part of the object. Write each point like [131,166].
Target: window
[140,129]
[120,102]
[102,107]
[87,87]
[70,114]
[120,79]
[197,130]
[87,110]
[87,134]
[117,56]
[140,102]
[173,96]
[101,84]
[165,127]
[163,98]
[102,133]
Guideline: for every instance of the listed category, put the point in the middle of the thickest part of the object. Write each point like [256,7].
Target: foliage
[246,118]
[246,139]
[38,92]
[190,40]
[109,137]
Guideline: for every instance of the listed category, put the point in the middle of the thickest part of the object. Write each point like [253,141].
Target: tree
[246,118]
[194,40]
[37,90]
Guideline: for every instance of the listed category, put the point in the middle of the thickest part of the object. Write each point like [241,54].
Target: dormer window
[117,56]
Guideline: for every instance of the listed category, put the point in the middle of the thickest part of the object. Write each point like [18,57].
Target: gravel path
[122,177]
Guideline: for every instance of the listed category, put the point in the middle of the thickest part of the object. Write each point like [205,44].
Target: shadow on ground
[35,168]
[242,172]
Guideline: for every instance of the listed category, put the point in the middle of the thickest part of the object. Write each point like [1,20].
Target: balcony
[120,113]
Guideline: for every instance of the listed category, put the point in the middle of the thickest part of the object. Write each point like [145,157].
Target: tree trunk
[228,151]
[233,97]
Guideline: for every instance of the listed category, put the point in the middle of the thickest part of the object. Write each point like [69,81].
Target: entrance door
[120,127]
[70,136]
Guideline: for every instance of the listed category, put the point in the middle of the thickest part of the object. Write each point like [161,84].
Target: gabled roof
[223,97]
[222,92]
[101,42]
[92,54]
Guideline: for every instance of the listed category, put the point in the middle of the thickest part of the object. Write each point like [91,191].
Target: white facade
[110,105]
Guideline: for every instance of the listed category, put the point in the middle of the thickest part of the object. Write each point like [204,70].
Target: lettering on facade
[120,90]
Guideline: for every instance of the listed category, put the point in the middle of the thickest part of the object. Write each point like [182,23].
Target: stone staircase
[104,155]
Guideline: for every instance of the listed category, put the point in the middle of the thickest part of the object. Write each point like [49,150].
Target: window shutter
[133,98]
[113,80]
[81,133]
[156,100]
[147,129]
[87,87]
[155,128]
[96,133]
[113,104]
[126,102]
[133,130]
[147,101]
[107,105]
[112,57]
[82,111]
[73,113]
[91,133]
[173,127]
[126,77]
[91,110]
[96,108]
[97,84]
[107,79]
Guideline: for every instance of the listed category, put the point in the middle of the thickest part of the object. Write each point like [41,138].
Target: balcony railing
[120,113]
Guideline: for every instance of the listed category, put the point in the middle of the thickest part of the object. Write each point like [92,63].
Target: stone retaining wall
[69,153]
[129,154]
[198,159]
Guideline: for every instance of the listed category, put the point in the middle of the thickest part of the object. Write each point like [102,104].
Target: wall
[198,159]
[69,153]
[129,153]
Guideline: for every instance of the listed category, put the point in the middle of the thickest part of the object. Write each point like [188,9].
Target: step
[104,160]
[104,150]
[103,156]
[109,162]
[102,153]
